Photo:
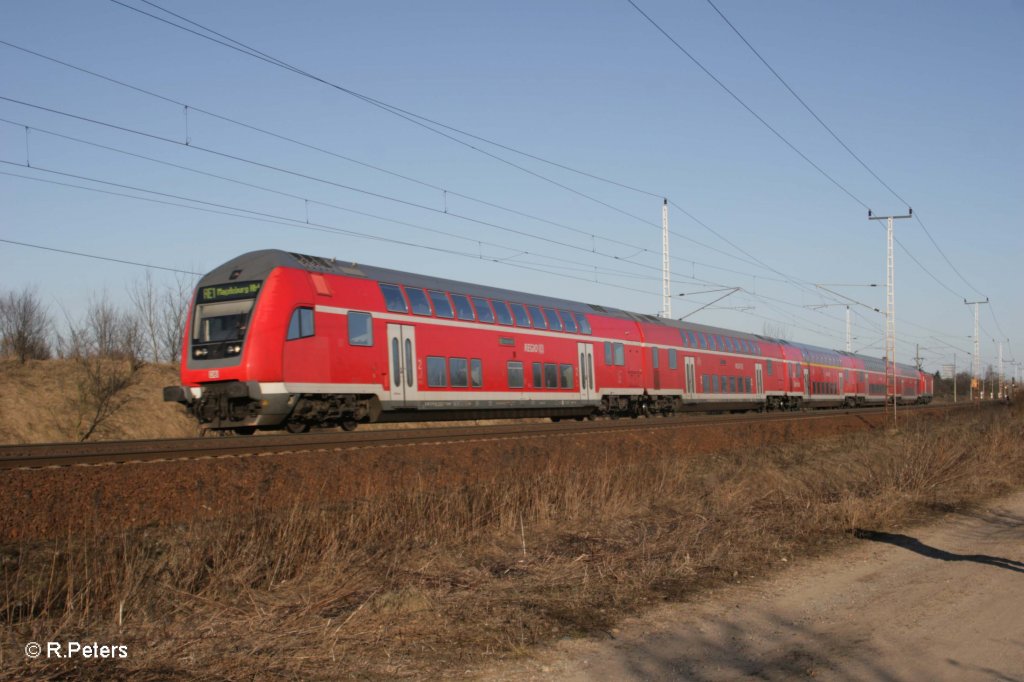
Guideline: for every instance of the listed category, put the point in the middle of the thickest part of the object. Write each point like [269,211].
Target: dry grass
[423,582]
[39,403]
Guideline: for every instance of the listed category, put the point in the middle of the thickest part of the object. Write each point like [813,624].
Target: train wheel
[245,430]
[296,427]
[348,424]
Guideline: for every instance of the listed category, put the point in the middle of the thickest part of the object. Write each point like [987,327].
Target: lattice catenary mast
[890,309]
[976,360]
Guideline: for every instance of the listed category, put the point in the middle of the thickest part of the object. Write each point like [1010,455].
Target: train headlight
[200,352]
[235,349]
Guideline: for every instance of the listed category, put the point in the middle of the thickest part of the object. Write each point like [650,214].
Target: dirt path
[941,602]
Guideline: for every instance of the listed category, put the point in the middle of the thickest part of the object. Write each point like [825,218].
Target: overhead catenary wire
[574,170]
[843,144]
[413,117]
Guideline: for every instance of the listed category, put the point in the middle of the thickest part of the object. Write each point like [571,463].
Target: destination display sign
[229,292]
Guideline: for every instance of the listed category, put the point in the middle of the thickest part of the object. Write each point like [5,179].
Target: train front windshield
[223,311]
[221,321]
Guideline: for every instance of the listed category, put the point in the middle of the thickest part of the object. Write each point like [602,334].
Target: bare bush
[174,305]
[25,326]
[161,313]
[107,345]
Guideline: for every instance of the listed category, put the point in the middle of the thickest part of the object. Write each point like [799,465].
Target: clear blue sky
[930,95]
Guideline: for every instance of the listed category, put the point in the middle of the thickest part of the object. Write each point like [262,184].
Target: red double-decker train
[284,340]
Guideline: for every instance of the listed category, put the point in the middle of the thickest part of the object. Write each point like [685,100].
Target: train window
[463,310]
[301,324]
[654,358]
[437,372]
[705,383]
[476,372]
[727,342]
[537,317]
[581,321]
[538,375]
[442,306]
[747,381]
[672,361]
[682,335]
[620,354]
[224,321]
[550,375]
[554,323]
[515,374]
[714,383]
[483,310]
[418,301]
[409,365]
[393,299]
[360,329]
[608,357]
[769,367]
[519,313]
[590,371]
[565,376]
[703,341]
[459,369]
[501,311]
[396,362]
[570,324]
[732,384]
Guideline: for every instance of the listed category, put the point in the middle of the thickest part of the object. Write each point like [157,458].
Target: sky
[529,146]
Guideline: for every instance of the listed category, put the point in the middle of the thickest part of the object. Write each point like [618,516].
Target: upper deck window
[442,307]
[536,317]
[583,323]
[501,310]
[519,312]
[553,322]
[393,299]
[418,301]
[483,310]
[463,310]
[570,324]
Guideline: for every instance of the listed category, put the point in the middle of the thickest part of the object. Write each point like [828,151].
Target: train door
[691,377]
[402,361]
[807,382]
[759,379]
[586,370]
[841,391]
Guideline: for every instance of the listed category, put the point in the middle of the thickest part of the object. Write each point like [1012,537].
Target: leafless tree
[145,298]
[174,305]
[25,326]
[107,347]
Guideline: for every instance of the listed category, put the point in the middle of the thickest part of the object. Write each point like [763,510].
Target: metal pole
[666,291]
[890,308]
[976,360]
[954,378]
[849,333]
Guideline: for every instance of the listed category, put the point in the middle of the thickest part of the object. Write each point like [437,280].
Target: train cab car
[280,339]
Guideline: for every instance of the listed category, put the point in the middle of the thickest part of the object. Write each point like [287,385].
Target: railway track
[122,452]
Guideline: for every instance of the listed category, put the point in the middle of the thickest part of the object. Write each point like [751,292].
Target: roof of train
[259,264]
